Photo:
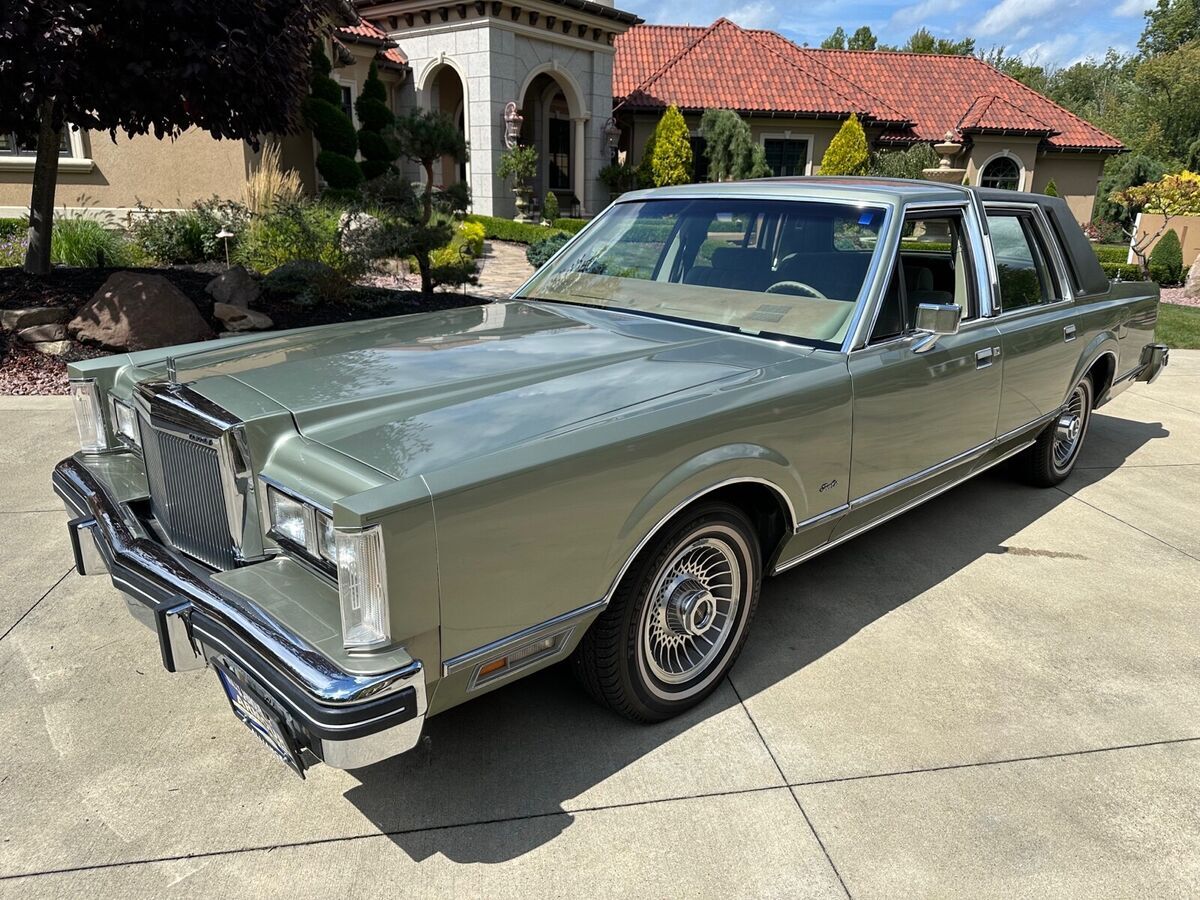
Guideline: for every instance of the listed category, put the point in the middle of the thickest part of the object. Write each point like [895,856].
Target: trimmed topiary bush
[538,254]
[550,207]
[1166,259]
[1051,189]
[847,153]
[379,154]
[1122,271]
[332,128]
[507,230]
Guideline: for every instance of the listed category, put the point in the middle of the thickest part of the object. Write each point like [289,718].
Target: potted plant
[520,164]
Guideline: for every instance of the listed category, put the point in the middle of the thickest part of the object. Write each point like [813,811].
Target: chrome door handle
[1068,333]
[983,358]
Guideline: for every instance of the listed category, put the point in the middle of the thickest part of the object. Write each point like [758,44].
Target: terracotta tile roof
[919,97]
[367,32]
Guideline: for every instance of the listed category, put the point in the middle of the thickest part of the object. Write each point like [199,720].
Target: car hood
[410,394]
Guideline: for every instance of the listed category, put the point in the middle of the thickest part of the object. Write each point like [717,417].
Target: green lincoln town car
[360,526]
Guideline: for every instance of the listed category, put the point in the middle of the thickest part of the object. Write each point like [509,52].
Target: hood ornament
[172,374]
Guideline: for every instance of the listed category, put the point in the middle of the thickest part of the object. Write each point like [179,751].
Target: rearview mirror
[933,321]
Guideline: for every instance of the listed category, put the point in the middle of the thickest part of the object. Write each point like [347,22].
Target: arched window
[1001,172]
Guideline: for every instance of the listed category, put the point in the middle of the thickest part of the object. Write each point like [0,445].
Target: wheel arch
[750,477]
[1099,358]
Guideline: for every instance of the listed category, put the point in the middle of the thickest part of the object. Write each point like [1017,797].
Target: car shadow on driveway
[538,751]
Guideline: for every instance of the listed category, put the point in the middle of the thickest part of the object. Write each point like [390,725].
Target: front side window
[1022,264]
[933,266]
[786,268]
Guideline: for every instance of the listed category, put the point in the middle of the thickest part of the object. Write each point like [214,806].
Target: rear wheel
[1053,457]
[679,618]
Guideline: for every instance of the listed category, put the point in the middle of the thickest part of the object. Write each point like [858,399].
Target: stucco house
[582,80]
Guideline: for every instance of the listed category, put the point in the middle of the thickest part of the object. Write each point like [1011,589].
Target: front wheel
[678,620]
[1053,457]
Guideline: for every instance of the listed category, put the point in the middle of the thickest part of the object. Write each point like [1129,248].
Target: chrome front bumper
[347,720]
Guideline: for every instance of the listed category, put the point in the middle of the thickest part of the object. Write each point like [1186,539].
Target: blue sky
[1049,32]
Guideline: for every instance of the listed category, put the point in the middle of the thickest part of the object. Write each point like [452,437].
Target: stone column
[579,162]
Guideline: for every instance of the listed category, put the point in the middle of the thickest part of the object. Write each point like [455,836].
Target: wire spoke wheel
[1068,430]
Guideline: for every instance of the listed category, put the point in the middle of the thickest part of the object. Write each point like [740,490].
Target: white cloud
[1013,19]
[755,14]
[1133,8]
[917,14]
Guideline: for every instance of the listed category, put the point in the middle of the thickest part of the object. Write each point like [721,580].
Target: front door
[1037,321]
[919,416]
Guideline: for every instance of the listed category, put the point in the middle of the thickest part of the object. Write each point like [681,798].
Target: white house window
[24,143]
[1001,172]
[786,155]
[18,151]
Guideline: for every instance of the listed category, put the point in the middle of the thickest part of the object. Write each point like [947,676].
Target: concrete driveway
[997,695]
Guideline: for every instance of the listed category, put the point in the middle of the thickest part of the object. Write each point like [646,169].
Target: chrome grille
[186,497]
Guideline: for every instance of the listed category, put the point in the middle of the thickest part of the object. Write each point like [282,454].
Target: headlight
[357,556]
[125,422]
[362,588]
[292,519]
[89,415]
[326,538]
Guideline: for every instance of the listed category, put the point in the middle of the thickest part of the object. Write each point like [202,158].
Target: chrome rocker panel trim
[350,720]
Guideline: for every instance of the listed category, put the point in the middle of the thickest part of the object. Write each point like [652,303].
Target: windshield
[784,268]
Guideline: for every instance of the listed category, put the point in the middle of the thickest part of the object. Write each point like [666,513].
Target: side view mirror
[933,321]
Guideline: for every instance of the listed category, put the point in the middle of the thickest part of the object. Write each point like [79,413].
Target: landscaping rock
[1191,287]
[236,287]
[16,319]
[136,311]
[38,333]
[234,318]
[54,348]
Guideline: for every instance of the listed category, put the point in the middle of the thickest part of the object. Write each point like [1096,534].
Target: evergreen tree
[1051,189]
[1166,259]
[671,162]
[847,153]
[862,39]
[836,41]
[379,151]
[732,152]
[332,128]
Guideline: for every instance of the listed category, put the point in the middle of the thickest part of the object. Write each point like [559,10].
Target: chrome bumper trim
[196,619]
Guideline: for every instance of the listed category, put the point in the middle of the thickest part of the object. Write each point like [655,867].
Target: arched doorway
[554,124]
[446,93]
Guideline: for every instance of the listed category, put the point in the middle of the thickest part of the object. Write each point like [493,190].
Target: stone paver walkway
[503,269]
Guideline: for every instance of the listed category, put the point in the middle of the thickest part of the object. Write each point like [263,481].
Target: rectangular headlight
[362,588]
[89,415]
[290,518]
[125,422]
[326,538]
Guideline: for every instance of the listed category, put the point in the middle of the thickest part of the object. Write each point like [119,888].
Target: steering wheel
[797,288]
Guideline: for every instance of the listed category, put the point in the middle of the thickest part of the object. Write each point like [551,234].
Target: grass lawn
[1178,326]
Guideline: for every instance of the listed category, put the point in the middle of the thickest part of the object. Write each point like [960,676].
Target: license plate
[260,718]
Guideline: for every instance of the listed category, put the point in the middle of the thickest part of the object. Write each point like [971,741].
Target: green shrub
[455,262]
[847,153]
[1122,271]
[550,207]
[570,226]
[1051,189]
[495,229]
[88,244]
[299,232]
[1111,253]
[379,154]
[335,131]
[340,172]
[671,161]
[306,282]
[1166,259]
[909,163]
[539,253]
[12,227]
[171,237]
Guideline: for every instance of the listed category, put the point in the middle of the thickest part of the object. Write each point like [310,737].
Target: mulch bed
[26,371]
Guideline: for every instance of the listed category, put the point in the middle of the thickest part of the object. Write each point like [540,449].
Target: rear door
[1037,317]
[918,415]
